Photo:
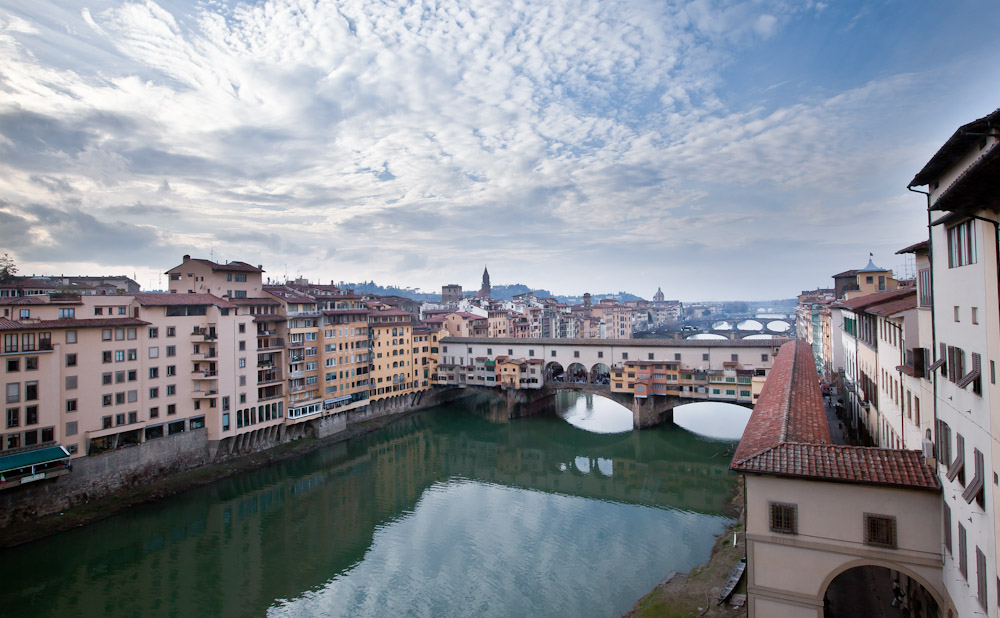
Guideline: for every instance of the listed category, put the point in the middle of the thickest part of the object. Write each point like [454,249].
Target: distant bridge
[649,376]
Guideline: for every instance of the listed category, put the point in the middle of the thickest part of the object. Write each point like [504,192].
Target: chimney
[260,267]
[187,258]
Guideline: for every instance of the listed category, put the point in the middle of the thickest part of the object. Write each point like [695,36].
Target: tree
[8,269]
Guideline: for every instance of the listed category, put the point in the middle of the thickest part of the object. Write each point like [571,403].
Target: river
[442,513]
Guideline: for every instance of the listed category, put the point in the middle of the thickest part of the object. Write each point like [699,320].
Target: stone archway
[873,587]
[554,372]
[600,374]
[576,373]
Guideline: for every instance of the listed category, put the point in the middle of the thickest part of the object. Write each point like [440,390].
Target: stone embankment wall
[100,476]
[138,467]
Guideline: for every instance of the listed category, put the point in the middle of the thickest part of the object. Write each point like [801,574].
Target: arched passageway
[871,590]
[554,372]
[600,374]
[576,373]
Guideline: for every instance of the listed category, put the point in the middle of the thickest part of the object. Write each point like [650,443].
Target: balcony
[204,334]
[292,343]
[296,375]
[296,359]
[269,377]
[204,394]
[270,343]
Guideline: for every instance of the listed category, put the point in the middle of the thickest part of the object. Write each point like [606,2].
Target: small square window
[71,360]
[650,356]
[784,518]
[880,530]
[704,356]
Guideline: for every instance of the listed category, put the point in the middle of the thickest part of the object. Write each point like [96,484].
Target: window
[154,412]
[962,244]
[624,355]
[171,370]
[98,310]
[106,422]
[171,409]
[880,530]
[553,353]
[171,390]
[106,334]
[171,350]
[763,358]
[70,383]
[71,336]
[30,391]
[120,418]
[106,356]
[119,398]
[119,377]
[981,577]
[975,314]
[946,524]
[704,356]
[154,372]
[171,331]
[957,313]
[154,392]
[106,399]
[13,417]
[119,356]
[963,558]
[225,422]
[132,354]
[71,405]
[71,428]
[154,352]
[735,358]
[154,332]
[784,518]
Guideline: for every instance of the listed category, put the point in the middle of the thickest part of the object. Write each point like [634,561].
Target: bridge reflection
[210,551]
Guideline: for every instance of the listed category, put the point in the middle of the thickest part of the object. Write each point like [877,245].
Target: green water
[443,513]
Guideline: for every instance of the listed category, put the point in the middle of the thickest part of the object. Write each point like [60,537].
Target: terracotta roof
[6,324]
[898,305]
[860,303]
[923,245]
[25,300]
[844,464]
[788,435]
[242,267]
[790,407]
[171,300]
[846,273]
[28,284]
[390,312]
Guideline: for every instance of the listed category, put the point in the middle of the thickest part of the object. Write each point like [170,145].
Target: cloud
[564,138]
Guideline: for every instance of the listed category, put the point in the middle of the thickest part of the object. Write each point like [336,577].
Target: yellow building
[393,370]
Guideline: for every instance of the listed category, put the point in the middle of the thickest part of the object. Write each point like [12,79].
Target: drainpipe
[934,341]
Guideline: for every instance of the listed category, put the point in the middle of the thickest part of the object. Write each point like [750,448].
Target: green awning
[32,458]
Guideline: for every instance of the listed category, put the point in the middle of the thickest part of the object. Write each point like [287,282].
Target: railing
[295,375]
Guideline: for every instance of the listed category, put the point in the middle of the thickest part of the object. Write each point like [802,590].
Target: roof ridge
[787,412]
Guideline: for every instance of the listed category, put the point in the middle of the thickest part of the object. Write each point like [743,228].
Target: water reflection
[443,513]
[594,413]
[720,421]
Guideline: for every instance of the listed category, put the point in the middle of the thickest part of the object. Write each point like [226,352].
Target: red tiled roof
[923,245]
[863,302]
[242,267]
[24,300]
[846,273]
[845,464]
[788,435]
[6,324]
[896,306]
[790,407]
[170,300]
[28,284]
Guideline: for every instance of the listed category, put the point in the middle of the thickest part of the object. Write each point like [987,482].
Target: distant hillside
[370,287]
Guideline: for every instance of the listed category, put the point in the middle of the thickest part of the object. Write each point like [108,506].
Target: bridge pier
[652,411]
[646,411]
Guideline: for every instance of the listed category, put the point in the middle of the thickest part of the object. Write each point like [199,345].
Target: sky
[719,149]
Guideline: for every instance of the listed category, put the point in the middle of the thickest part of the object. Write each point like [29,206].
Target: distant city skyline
[720,150]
